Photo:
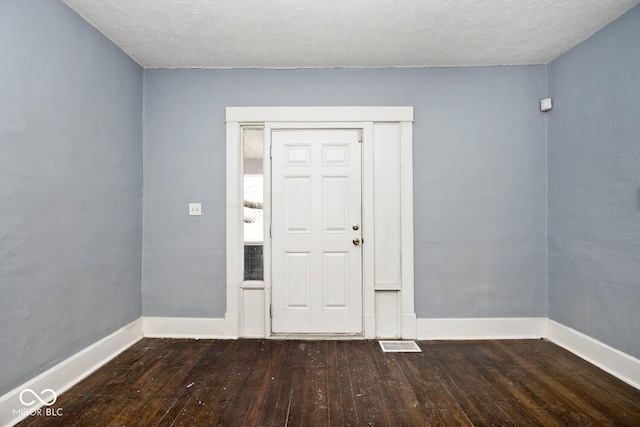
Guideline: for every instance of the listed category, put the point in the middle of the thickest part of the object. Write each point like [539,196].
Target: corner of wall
[142,171]
[546,198]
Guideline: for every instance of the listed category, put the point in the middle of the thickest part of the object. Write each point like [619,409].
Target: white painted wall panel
[387,314]
[252,312]
[388,242]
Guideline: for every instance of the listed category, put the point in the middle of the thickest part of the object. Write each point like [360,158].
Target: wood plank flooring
[162,382]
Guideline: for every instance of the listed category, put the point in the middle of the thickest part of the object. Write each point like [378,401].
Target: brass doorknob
[356,241]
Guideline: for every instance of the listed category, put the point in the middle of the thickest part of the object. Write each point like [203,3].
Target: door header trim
[319,114]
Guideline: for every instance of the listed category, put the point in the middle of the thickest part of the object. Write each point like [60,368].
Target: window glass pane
[253,185]
[253,221]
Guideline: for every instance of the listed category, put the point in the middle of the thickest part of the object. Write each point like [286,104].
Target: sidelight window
[253,199]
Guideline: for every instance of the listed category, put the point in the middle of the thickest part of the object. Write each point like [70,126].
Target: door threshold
[317,337]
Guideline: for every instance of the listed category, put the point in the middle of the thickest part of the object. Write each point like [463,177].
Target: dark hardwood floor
[162,382]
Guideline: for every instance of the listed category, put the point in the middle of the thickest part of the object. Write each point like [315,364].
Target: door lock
[356,241]
[356,227]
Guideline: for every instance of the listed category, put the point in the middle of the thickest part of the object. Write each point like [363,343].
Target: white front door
[316,231]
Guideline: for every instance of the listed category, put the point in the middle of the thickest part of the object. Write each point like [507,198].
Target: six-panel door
[316,228]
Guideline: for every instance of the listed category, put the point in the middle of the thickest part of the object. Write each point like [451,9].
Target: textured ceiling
[346,33]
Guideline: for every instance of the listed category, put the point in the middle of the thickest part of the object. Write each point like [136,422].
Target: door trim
[319,114]
[321,117]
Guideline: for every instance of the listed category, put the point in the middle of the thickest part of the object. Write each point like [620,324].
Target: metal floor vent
[399,347]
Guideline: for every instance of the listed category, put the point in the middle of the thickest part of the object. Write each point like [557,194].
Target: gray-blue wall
[480,180]
[70,187]
[594,186]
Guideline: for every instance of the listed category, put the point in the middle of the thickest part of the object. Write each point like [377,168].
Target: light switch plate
[195,209]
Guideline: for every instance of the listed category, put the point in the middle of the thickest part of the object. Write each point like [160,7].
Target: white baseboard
[615,362]
[70,371]
[481,328]
[186,327]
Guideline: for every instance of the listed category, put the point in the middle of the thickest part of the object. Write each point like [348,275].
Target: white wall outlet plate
[545,104]
[195,209]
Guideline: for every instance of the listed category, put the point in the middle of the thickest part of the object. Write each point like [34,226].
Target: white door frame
[241,295]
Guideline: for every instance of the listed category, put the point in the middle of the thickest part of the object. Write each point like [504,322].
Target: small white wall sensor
[195,209]
[545,105]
